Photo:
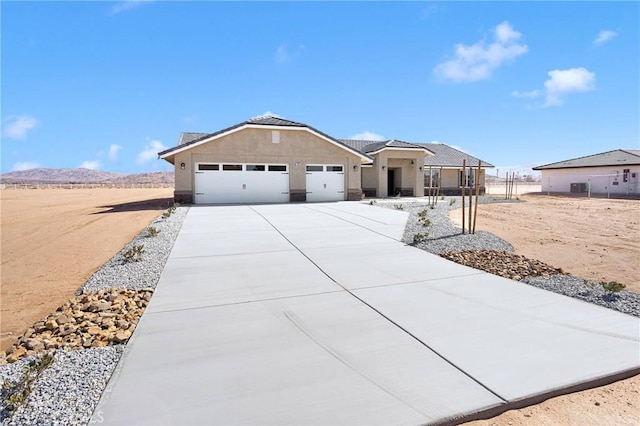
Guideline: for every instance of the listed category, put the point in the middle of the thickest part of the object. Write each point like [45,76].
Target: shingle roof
[446,156]
[617,157]
[368,146]
[190,138]
[268,120]
[186,137]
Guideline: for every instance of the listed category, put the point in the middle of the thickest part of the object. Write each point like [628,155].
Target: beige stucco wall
[297,148]
[449,177]
[410,176]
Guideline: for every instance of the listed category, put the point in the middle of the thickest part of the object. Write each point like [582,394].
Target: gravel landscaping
[120,273]
[442,237]
[69,389]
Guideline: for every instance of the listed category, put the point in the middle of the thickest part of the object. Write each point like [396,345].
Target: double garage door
[263,183]
[241,183]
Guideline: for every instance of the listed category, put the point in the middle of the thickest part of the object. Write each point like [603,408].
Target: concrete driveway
[318,314]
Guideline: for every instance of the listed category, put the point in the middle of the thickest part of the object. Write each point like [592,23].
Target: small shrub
[372,202]
[166,214]
[17,392]
[398,206]
[134,254]
[452,201]
[612,286]
[152,232]
[419,238]
[442,197]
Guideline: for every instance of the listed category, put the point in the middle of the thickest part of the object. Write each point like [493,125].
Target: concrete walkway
[317,314]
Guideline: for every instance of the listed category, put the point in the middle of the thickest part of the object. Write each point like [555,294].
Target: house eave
[165,155]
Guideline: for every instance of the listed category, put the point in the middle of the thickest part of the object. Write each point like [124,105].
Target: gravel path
[68,391]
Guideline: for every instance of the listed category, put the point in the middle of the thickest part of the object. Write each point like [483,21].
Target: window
[208,167]
[277,168]
[469,179]
[255,168]
[431,181]
[334,168]
[232,167]
[314,168]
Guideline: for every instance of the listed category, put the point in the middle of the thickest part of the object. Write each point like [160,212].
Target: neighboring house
[270,159]
[611,172]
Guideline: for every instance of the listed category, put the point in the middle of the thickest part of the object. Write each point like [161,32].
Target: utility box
[579,188]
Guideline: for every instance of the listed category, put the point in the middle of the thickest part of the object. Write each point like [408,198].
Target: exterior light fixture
[355,167]
[182,166]
[413,163]
[384,167]
[420,168]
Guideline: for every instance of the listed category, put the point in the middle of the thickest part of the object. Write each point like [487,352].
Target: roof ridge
[582,157]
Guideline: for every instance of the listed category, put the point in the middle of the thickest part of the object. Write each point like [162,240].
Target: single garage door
[241,183]
[325,182]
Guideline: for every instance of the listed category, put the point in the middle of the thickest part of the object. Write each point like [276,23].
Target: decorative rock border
[90,320]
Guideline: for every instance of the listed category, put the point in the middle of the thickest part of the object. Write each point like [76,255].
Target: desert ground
[53,240]
[589,238]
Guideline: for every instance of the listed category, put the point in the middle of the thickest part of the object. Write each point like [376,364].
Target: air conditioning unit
[579,188]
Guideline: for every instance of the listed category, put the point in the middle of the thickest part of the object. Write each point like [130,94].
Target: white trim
[268,127]
[400,149]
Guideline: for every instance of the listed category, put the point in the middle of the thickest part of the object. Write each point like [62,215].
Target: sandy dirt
[54,239]
[590,238]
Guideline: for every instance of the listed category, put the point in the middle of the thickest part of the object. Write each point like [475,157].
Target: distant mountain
[85,176]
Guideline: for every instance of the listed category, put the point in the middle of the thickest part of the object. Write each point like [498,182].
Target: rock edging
[89,320]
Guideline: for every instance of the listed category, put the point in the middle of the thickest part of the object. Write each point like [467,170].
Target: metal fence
[519,188]
[6,186]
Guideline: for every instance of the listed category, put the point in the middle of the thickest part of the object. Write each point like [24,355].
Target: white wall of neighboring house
[600,180]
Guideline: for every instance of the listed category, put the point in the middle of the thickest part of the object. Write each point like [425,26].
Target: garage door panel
[325,182]
[241,183]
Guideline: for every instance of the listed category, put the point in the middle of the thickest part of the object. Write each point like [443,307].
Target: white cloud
[91,165]
[532,94]
[113,152]
[17,126]
[268,114]
[284,54]
[128,5]
[562,82]
[25,165]
[368,136]
[459,148]
[150,151]
[429,10]
[478,61]
[604,36]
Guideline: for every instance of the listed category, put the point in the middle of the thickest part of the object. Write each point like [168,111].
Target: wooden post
[470,196]
[462,189]
[439,182]
[475,211]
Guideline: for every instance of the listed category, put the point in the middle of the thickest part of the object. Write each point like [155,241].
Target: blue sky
[107,85]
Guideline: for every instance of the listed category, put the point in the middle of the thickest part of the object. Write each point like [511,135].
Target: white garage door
[325,182]
[241,183]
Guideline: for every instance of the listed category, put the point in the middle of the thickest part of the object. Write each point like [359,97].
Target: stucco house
[611,172]
[271,159]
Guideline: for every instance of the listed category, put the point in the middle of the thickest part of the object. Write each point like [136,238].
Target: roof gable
[617,157]
[190,140]
[373,147]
